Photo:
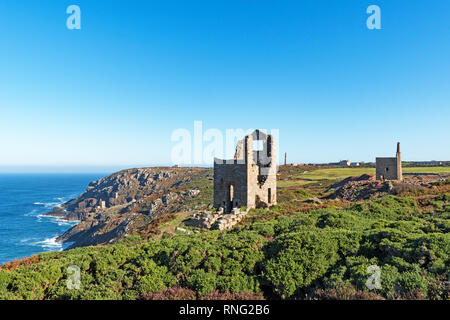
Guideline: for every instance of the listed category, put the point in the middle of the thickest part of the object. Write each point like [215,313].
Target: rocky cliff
[129,200]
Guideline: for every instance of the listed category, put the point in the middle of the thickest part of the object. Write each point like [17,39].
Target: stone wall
[389,168]
[218,220]
[250,178]
[386,169]
[230,181]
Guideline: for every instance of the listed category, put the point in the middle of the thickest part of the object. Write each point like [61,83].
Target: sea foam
[50,244]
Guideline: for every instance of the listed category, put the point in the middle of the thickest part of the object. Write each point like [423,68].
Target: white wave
[49,244]
[26,240]
[58,220]
[62,200]
[48,204]
[59,201]
[31,213]
[66,223]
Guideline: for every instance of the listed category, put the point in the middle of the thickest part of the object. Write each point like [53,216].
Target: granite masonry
[249,180]
[389,168]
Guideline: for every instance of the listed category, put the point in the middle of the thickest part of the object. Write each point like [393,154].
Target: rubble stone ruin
[249,180]
[390,168]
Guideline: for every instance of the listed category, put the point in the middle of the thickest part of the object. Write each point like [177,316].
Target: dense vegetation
[299,249]
[321,253]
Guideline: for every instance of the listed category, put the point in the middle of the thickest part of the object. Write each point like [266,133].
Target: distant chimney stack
[398,147]
[285,158]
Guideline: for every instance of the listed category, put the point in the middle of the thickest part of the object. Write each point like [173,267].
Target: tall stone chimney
[399,163]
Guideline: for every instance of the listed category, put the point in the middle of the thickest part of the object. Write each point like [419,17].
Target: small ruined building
[389,168]
[249,180]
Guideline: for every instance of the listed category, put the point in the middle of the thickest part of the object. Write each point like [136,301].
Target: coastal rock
[124,202]
[57,212]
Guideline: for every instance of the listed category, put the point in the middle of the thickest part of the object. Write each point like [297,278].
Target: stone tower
[399,163]
[390,168]
[250,179]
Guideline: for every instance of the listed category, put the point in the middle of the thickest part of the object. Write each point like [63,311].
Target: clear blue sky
[111,94]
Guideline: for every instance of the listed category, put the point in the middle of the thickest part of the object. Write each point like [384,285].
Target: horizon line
[61,169]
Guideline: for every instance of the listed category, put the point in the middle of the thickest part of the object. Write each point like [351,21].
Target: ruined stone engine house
[250,179]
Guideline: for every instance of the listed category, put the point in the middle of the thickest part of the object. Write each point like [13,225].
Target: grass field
[426,169]
[308,176]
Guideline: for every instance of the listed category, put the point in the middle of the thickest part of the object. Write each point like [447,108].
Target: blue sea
[24,198]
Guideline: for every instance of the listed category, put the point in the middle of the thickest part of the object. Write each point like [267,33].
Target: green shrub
[202,282]
[297,259]
[412,284]
[289,254]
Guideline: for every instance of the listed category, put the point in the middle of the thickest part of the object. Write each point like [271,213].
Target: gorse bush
[388,207]
[299,258]
[322,253]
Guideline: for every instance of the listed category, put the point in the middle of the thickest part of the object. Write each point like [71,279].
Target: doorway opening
[231,197]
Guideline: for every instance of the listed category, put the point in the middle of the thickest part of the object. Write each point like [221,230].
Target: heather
[317,254]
